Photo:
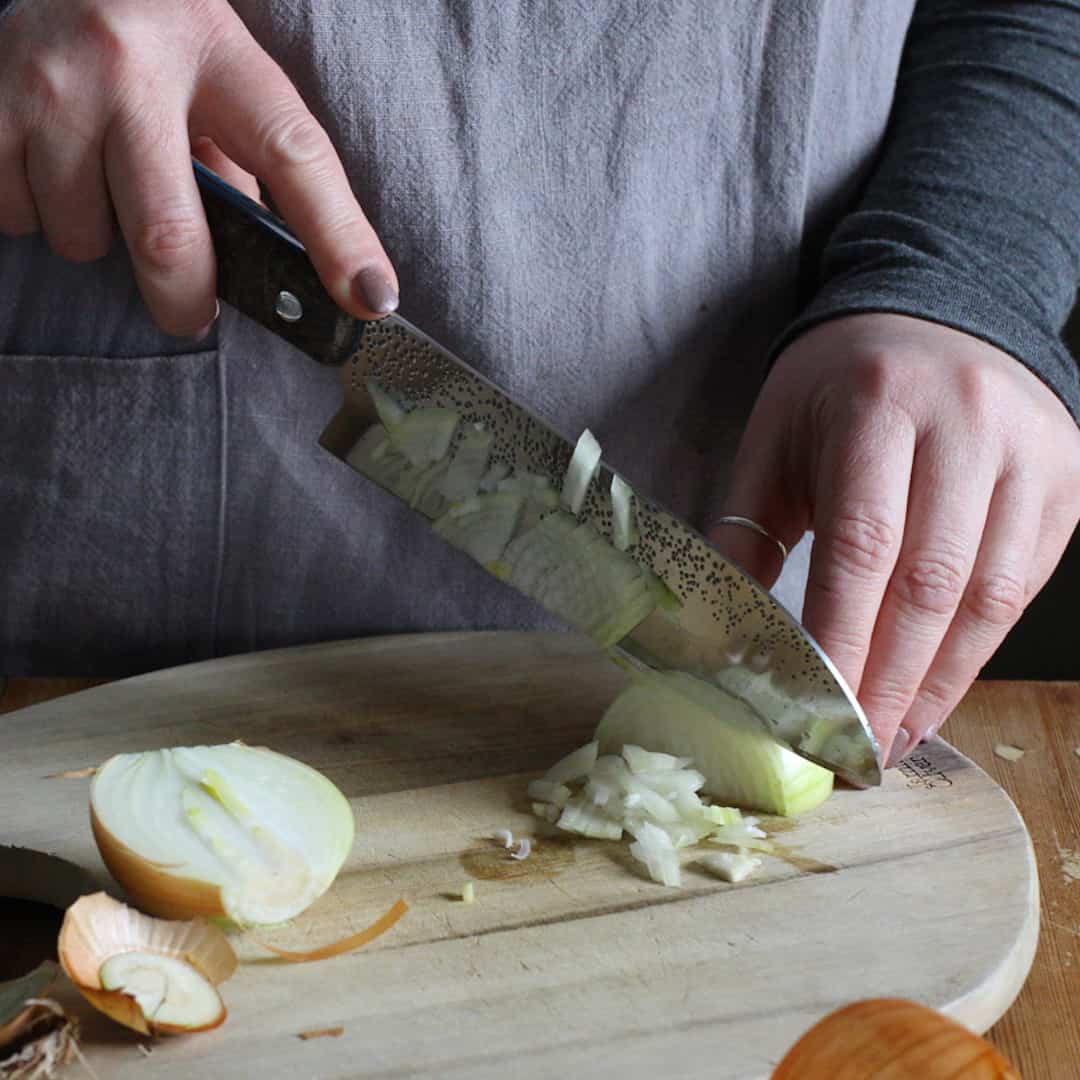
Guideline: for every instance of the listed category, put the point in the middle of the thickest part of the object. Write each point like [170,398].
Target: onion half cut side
[234,831]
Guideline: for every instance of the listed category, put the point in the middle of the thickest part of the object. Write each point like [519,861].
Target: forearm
[972,215]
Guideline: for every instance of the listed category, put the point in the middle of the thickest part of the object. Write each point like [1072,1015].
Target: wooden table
[1041,1032]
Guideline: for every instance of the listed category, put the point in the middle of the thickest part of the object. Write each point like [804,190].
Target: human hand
[103,103]
[941,480]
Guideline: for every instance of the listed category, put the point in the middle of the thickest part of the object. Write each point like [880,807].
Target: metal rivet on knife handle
[288,307]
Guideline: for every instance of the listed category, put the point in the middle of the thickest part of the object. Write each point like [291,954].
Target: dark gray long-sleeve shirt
[972,215]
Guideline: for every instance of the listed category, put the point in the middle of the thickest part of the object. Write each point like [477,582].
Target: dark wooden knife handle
[264,272]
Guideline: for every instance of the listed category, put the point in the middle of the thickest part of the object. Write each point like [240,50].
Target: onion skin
[151,888]
[891,1039]
[97,928]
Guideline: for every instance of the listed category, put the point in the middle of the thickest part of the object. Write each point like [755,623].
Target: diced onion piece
[654,848]
[579,474]
[425,434]
[575,766]
[737,837]
[1009,753]
[468,892]
[546,811]
[652,803]
[674,782]
[598,792]
[683,834]
[498,470]
[641,760]
[624,532]
[524,848]
[468,465]
[482,525]
[389,411]
[504,836]
[549,791]
[722,815]
[581,817]
[730,867]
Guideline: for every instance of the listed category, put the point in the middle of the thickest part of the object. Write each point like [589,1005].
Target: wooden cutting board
[569,963]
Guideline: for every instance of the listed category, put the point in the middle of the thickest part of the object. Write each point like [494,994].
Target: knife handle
[264,272]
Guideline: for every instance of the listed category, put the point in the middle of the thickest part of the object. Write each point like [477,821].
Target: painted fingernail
[375,291]
[201,335]
[901,744]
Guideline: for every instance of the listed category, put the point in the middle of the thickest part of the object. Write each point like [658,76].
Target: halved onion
[148,974]
[231,831]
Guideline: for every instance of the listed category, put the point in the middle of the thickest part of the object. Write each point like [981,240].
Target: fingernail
[375,291]
[204,333]
[901,745]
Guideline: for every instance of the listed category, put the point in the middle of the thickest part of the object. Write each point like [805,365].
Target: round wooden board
[568,963]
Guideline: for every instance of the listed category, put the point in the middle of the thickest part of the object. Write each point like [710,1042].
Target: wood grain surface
[570,960]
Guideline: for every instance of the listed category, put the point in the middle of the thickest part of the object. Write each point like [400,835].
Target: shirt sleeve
[971,217]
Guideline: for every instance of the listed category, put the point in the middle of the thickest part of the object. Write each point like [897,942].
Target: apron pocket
[109,512]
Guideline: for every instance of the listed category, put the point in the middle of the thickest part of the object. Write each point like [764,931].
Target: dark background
[1045,643]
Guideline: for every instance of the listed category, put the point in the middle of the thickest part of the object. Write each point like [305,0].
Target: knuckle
[996,600]
[168,244]
[101,28]
[936,699]
[887,699]
[43,87]
[80,248]
[930,582]
[292,137]
[861,540]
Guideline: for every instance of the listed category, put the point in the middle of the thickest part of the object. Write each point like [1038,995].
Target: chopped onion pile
[654,797]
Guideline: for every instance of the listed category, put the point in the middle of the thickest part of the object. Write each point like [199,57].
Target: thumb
[761,508]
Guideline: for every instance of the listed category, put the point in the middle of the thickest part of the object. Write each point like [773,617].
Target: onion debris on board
[892,1039]
[234,831]
[152,975]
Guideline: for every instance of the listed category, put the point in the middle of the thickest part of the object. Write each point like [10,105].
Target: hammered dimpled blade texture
[728,630]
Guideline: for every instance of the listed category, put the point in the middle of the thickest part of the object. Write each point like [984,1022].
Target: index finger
[259,120]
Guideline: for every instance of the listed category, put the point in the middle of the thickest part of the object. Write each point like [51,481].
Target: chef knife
[700,614]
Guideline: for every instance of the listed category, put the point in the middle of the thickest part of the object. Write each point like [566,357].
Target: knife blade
[705,616]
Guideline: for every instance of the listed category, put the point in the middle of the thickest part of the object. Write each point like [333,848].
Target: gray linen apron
[609,207]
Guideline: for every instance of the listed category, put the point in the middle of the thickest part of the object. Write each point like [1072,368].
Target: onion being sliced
[231,831]
[686,717]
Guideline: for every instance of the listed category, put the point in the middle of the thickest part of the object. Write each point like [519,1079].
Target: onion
[148,974]
[579,473]
[687,718]
[230,831]
[624,533]
[894,1039]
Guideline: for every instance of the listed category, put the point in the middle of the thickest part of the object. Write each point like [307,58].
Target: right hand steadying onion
[103,103]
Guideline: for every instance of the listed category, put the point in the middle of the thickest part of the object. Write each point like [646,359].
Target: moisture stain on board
[549,855]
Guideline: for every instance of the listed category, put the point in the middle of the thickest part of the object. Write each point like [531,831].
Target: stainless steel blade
[729,630]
